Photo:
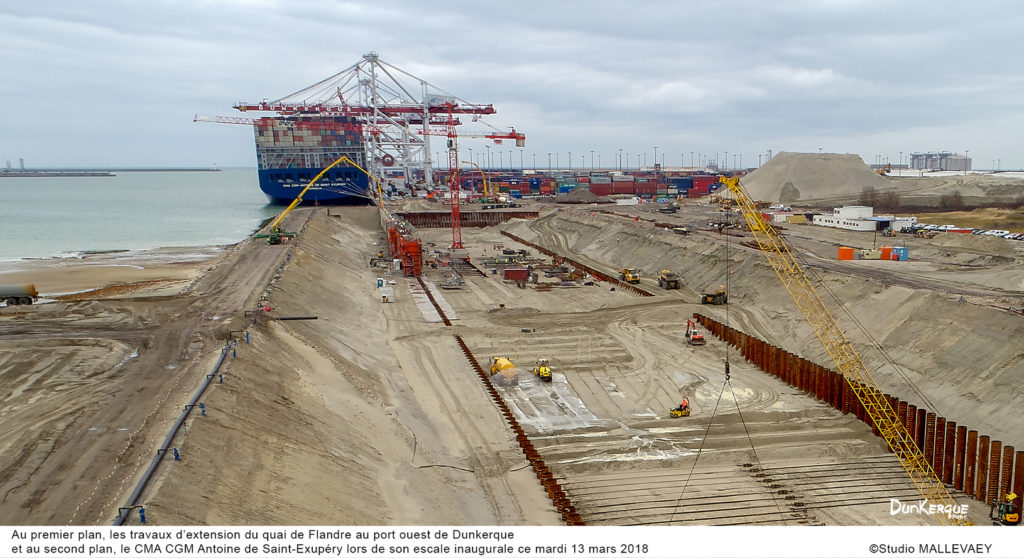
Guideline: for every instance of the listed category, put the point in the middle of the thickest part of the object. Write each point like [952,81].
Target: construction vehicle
[18,294]
[503,372]
[1005,512]
[717,297]
[884,170]
[542,370]
[668,279]
[888,232]
[922,233]
[669,208]
[277,235]
[694,337]
[848,363]
[683,410]
[629,275]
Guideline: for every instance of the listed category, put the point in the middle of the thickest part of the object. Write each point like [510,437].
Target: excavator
[884,170]
[848,363]
[1004,512]
[542,370]
[694,337]
[277,235]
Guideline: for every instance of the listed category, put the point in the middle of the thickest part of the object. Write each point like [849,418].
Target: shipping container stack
[307,142]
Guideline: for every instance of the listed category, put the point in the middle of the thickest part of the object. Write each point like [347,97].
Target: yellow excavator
[1005,512]
[277,235]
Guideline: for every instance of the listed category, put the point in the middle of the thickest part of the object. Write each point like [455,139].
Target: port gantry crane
[394,109]
[848,362]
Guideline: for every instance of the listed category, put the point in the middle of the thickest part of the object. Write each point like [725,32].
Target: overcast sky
[108,83]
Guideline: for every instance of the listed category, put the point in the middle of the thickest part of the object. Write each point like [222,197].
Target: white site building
[862,218]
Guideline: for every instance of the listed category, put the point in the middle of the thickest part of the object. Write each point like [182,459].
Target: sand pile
[580,195]
[790,177]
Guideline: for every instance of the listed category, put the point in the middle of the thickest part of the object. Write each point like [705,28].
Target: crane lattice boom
[847,361]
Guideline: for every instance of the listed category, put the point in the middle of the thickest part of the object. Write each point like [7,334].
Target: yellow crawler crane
[847,361]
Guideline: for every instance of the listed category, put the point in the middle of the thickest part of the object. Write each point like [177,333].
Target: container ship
[292,150]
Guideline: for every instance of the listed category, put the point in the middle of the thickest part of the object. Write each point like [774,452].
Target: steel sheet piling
[940,445]
[929,438]
[947,459]
[1005,474]
[1018,480]
[970,461]
[958,458]
[981,468]
[994,458]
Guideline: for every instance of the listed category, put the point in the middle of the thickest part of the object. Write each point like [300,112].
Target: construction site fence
[443,219]
[982,468]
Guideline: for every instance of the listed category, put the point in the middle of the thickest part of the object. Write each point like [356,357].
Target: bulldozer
[717,297]
[1004,512]
[694,337]
[542,370]
[668,279]
[503,372]
[629,275]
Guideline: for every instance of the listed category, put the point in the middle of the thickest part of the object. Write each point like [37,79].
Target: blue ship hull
[340,185]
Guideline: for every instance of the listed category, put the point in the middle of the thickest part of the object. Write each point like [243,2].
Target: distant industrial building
[862,218]
[943,160]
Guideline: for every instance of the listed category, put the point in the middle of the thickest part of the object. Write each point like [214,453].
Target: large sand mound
[790,177]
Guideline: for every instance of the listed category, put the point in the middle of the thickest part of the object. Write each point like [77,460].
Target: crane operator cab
[683,410]
[1003,513]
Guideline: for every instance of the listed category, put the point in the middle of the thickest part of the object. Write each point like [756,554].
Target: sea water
[54,217]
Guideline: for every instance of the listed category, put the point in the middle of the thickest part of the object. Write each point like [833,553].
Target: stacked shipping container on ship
[291,151]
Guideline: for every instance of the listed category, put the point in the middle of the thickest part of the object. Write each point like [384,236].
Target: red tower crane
[453,180]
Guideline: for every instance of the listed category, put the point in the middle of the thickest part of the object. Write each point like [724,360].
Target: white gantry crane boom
[395,108]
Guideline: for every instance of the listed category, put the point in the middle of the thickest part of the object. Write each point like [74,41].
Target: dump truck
[24,293]
[717,297]
[668,279]
[629,275]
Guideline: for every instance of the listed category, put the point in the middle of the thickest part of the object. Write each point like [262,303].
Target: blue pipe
[133,498]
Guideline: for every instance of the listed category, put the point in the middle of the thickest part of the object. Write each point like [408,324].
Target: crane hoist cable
[727,383]
[848,363]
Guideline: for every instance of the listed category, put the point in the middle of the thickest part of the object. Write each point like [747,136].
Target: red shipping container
[704,181]
[600,189]
[517,274]
[582,179]
[623,188]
